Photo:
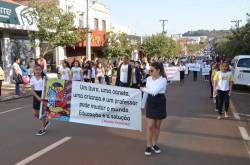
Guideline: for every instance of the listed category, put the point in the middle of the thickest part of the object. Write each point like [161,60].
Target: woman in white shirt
[65,71]
[76,71]
[37,86]
[154,98]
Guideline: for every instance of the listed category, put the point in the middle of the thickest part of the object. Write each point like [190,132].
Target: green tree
[118,45]
[55,27]
[160,45]
[235,44]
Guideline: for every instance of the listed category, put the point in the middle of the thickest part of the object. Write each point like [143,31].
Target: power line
[163,26]
[237,23]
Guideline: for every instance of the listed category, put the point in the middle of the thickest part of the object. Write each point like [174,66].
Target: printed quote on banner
[93,104]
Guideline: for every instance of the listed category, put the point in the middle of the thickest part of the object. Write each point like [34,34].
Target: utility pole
[237,23]
[163,26]
[88,45]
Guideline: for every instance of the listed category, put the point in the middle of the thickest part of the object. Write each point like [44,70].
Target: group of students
[221,83]
[153,101]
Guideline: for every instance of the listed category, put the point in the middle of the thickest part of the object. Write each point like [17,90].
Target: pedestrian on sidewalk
[155,102]
[2,75]
[17,74]
[223,82]
[37,86]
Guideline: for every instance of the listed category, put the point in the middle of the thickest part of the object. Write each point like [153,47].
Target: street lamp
[88,46]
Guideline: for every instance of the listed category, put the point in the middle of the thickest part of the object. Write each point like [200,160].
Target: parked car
[241,70]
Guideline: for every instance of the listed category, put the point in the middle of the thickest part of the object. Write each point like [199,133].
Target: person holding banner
[37,86]
[182,69]
[155,102]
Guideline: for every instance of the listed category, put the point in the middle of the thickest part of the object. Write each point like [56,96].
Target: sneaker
[156,149]
[47,124]
[216,110]
[148,151]
[219,117]
[40,133]
[226,115]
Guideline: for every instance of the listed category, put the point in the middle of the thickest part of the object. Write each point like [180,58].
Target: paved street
[190,135]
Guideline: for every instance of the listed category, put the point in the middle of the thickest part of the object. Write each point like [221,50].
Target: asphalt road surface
[191,135]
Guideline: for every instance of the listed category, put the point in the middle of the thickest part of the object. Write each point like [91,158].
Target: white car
[241,70]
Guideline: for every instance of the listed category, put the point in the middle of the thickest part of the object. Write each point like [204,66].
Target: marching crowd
[149,77]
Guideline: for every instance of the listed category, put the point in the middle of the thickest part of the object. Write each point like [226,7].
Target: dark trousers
[211,87]
[17,90]
[195,75]
[93,80]
[136,86]
[223,98]
[0,87]
[121,84]
[108,80]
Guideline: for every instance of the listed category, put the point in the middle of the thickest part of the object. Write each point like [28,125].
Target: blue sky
[183,15]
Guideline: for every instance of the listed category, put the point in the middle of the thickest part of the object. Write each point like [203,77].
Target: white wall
[96,10]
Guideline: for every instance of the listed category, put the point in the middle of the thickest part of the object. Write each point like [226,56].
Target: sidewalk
[8,92]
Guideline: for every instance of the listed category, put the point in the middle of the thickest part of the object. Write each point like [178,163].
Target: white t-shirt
[17,67]
[99,72]
[37,84]
[124,73]
[64,73]
[223,80]
[76,73]
[182,68]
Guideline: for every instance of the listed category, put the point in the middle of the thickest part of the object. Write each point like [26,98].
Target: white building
[99,24]
[122,29]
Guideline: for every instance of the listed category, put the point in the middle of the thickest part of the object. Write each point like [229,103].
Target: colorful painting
[57,99]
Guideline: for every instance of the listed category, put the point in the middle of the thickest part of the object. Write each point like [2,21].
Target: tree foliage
[118,45]
[235,44]
[160,45]
[55,26]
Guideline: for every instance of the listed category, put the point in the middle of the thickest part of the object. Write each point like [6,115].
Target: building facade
[14,26]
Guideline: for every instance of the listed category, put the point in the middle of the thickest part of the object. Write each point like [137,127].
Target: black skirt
[182,73]
[36,103]
[156,107]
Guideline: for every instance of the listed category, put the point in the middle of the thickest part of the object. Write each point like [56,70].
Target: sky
[144,16]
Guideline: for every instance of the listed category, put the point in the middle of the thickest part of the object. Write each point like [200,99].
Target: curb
[13,97]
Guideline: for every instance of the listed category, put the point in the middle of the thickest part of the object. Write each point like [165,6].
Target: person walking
[135,76]
[76,72]
[182,69]
[17,74]
[124,71]
[108,73]
[37,86]
[100,72]
[64,71]
[154,101]
[223,82]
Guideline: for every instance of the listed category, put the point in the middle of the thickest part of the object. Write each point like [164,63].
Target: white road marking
[244,133]
[241,93]
[236,115]
[11,110]
[43,151]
